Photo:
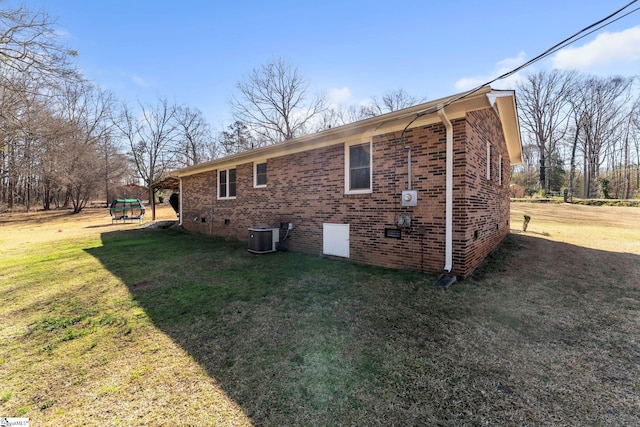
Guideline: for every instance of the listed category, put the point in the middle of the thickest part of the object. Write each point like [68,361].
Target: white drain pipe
[448,234]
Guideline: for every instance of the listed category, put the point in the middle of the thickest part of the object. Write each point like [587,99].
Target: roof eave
[511,127]
[456,106]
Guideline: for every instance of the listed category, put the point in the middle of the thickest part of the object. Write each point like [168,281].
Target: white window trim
[347,173]
[488,160]
[500,170]
[255,173]
[218,182]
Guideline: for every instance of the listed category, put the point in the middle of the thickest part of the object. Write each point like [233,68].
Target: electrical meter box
[410,198]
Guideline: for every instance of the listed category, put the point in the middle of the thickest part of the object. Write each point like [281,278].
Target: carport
[168,183]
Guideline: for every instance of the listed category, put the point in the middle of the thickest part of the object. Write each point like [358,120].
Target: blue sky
[194,52]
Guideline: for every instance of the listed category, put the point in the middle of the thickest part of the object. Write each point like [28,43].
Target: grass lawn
[122,325]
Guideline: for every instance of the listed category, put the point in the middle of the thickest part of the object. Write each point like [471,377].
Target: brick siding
[307,189]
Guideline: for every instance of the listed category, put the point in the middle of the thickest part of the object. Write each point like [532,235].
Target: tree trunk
[152,203]
[585,179]
[11,182]
[572,172]
[542,170]
[67,199]
[626,193]
[593,177]
[46,195]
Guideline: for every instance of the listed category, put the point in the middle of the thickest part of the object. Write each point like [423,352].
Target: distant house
[424,188]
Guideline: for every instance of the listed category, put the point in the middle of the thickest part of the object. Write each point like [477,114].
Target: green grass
[122,325]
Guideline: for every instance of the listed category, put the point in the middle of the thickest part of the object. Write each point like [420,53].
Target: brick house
[424,188]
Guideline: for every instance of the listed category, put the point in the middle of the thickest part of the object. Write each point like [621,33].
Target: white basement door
[335,239]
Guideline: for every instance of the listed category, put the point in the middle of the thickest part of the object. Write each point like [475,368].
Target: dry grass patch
[121,325]
[608,228]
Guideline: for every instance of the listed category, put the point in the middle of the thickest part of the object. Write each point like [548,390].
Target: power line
[596,29]
[564,43]
[590,29]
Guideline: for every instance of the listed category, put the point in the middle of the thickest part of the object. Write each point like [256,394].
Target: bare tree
[88,110]
[32,64]
[22,118]
[115,165]
[151,137]
[342,115]
[273,101]
[526,174]
[52,174]
[339,116]
[52,145]
[542,106]
[600,104]
[11,106]
[83,171]
[391,101]
[194,137]
[29,44]
[635,138]
[235,139]
[623,186]
[55,138]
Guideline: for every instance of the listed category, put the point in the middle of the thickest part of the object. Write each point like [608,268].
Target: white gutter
[180,203]
[448,234]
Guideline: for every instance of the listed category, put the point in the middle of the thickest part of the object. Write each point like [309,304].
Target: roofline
[456,106]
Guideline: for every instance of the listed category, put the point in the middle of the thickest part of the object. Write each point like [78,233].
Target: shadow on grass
[302,340]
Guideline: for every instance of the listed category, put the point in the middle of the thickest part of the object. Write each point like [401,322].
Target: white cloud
[501,67]
[340,96]
[139,81]
[344,98]
[609,49]
[467,83]
[605,50]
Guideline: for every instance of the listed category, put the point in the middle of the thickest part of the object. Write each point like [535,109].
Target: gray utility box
[410,198]
[262,240]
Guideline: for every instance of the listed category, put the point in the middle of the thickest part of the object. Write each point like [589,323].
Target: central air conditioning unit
[262,240]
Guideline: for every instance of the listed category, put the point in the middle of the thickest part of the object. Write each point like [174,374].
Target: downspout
[180,202]
[448,234]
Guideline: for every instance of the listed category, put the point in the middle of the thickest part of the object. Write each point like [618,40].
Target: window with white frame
[260,174]
[226,184]
[500,170]
[488,160]
[357,168]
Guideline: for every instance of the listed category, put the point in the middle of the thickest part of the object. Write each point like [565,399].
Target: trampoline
[126,210]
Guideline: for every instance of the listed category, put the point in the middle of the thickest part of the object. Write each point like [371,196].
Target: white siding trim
[347,172]
[488,160]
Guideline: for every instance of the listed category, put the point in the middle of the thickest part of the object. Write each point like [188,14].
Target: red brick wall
[307,189]
[197,201]
[484,214]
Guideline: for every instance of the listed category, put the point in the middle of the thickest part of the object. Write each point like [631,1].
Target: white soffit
[505,102]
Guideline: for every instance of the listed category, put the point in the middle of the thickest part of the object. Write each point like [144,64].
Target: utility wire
[590,29]
[564,43]
[596,29]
